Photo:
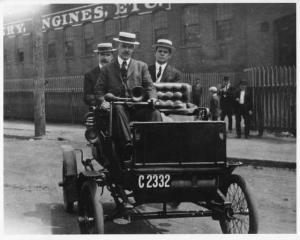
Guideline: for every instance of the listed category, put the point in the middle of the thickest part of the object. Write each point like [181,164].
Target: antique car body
[172,162]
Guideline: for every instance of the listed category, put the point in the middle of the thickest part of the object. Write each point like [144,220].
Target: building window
[160,25]
[111,29]
[51,44]
[20,49]
[224,29]
[69,42]
[88,36]
[224,22]
[191,24]
[9,46]
[134,25]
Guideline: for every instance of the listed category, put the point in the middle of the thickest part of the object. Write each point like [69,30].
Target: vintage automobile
[172,162]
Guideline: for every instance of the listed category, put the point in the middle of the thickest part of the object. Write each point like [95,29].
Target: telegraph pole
[39,76]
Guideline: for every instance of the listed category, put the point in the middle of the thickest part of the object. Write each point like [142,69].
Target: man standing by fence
[105,55]
[226,101]
[243,97]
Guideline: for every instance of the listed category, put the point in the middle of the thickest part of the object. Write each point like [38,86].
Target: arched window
[19,49]
[69,42]
[160,25]
[51,44]
[88,38]
[111,29]
[191,24]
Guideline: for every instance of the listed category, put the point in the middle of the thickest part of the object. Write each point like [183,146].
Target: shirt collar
[163,66]
[120,61]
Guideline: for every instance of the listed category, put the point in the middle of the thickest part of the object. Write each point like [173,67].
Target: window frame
[158,26]
[114,29]
[50,42]
[19,49]
[66,41]
[184,26]
[92,39]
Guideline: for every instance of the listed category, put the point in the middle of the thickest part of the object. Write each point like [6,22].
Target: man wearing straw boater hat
[118,78]
[105,55]
[162,71]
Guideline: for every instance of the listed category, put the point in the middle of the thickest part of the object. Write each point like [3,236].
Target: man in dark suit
[226,101]
[243,108]
[105,55]
[119,78]
[162,71]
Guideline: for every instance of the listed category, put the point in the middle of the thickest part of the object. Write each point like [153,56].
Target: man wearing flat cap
[162,71]
[119,78]
[105,55]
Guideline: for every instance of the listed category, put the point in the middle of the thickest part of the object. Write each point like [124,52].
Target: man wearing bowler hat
[119,78]
[226,101]
[243,108]
[105,55]
[162,71]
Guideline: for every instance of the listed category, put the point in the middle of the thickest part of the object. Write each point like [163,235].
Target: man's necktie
[159,73]
[124,71]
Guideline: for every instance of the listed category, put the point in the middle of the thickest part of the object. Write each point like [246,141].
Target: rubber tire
[90,199]
[253,219]
[69,177]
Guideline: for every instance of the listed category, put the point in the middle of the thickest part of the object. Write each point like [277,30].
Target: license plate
[154,181]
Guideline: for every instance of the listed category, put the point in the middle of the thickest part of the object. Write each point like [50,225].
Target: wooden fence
[63,99]
[274,96]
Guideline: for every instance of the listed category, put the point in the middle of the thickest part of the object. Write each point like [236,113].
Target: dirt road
[33,200]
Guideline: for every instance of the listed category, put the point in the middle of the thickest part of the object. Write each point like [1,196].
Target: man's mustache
[104,61]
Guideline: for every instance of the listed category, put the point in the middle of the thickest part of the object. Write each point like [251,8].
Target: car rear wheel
[242,217]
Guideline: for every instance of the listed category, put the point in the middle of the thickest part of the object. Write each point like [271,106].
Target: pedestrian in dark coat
[226,101]
[162,71]
[243,108]
[105,55]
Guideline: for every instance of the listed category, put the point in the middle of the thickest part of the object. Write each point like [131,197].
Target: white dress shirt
[100,66]
[157,65]
[242,97]
[120,61]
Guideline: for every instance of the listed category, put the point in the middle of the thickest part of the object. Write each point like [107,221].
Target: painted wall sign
[21,27]
[77,16]
[97,13]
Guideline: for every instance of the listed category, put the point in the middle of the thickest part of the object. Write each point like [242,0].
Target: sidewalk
[269,150]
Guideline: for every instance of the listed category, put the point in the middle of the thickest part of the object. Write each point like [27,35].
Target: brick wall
[252,41]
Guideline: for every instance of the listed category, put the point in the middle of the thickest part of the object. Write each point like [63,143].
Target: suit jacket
[227,97]
[89,83]
[248,105]
[110,80]
[170,74]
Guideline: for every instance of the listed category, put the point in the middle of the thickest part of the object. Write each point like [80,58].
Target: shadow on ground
[54,215]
